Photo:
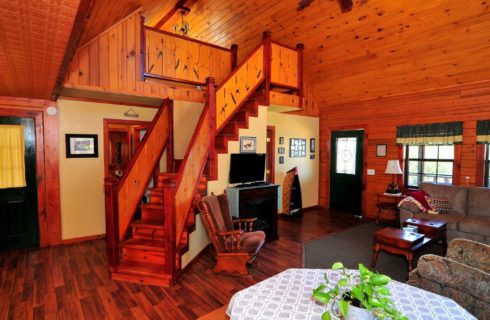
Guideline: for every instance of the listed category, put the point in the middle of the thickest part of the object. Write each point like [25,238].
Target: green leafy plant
[368,291]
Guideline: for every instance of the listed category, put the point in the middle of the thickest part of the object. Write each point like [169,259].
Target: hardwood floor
[72,281]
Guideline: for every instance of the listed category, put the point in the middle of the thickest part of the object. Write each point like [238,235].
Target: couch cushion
[475,224]
[479,202]
[452,219]
[457,195]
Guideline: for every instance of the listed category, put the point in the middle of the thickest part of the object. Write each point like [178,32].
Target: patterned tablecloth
[287,296]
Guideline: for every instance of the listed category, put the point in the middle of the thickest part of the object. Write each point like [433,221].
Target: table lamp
[393,167]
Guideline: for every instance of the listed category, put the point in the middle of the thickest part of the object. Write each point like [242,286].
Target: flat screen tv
[247,167]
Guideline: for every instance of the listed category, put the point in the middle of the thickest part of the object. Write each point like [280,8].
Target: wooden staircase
[148,247]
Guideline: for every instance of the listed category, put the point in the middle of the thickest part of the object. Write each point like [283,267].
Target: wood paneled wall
[47,162]
[112,62]
[172,57]
[380,117]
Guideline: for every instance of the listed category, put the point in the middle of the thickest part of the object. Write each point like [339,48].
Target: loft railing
[173,57]
[123,198]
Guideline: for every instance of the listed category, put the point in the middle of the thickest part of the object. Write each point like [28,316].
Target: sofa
[462,275]
[470,216]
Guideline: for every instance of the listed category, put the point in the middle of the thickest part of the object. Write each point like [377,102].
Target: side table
[389,202]
[434,229]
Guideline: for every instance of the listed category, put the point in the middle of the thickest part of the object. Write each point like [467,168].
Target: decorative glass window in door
[346,155]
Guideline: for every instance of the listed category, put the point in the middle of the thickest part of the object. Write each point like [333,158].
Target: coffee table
[398,241]
[434,229]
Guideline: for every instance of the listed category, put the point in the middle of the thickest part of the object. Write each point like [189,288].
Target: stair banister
[211,98]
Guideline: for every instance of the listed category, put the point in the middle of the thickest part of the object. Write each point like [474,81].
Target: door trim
[272,156]
[47,163]
[329,130]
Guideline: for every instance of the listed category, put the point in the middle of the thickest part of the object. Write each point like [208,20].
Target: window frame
[421,161]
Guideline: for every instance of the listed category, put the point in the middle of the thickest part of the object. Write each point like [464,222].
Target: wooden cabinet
[292,202]
[256,202]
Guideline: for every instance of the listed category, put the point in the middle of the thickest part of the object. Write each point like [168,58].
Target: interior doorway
[121,140]
[346,171]
[270,154]
[19,223]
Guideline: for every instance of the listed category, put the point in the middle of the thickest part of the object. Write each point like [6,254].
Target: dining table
[287,295]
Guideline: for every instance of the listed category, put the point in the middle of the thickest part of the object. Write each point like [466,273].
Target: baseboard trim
[83,239]
[311,208]
[199,255]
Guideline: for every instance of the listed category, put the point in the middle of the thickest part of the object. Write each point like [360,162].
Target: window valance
[431,134]
[483,131]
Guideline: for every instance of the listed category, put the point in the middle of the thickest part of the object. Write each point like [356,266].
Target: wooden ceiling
[33,39]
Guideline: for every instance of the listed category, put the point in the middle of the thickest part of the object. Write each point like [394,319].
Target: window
[346,155]
[487,165]
[426,163]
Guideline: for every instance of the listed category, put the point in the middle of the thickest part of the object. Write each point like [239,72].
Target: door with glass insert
[346,168]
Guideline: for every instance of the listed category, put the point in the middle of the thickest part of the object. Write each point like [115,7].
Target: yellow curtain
[12,164]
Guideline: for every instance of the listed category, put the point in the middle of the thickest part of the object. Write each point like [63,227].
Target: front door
[19,225]
[346,168]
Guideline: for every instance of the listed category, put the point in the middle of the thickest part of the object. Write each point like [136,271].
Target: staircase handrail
[138,173]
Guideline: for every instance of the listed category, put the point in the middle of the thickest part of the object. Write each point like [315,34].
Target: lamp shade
[393,167]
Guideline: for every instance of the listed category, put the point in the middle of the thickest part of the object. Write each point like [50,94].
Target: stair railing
[123,197]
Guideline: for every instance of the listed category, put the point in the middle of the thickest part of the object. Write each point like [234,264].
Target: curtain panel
[483,131]
[12,163]
[432,134]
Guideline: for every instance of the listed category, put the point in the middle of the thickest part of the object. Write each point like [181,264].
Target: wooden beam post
[111,222]
[211,98]
[267,40]
[234,56]
[169,190]
[300,48]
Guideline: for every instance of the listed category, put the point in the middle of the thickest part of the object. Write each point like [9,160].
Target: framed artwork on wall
[81,146]
[297,148]
[312,145]
[248,144]
[381,150]
[281,140]
[281,160]
[281,150]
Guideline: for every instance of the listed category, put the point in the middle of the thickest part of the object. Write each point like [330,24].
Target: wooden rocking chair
[235,248]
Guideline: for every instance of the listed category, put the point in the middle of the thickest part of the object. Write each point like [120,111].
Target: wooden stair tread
[144,244]
[149,223]
[152,205]
[145,268]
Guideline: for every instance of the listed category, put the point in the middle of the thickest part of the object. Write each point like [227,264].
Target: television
[247,167]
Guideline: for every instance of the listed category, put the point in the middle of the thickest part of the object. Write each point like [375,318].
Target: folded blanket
[417,203]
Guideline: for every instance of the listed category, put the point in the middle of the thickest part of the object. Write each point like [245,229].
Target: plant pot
[356,313]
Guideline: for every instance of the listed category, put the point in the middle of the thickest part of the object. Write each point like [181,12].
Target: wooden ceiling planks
[33,35]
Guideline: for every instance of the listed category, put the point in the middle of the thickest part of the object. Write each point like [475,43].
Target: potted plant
[354,294]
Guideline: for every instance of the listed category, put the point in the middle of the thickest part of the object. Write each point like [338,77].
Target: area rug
[354,246]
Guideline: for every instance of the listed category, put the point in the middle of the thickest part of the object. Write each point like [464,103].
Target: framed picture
[312,156]
[81,146]
[312,145]
[281,160]
[381,150]
[281,140]
[297,148]
[281,150]
[248,144]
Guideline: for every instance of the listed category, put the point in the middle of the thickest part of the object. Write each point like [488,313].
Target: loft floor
[72,281]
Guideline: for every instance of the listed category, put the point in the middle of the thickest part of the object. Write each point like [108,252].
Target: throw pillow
[440,205]
[420,195]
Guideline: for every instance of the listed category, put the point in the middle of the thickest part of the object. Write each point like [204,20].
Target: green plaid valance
[483,131]
[435,134]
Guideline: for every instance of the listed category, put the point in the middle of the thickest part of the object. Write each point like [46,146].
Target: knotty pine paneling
[111,63]
[380,117]
[284,66]
[172,57]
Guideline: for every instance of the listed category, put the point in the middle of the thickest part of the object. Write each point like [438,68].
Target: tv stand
[251,184]
[259,202]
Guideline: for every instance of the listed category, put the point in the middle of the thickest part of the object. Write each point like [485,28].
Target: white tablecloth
[287,295]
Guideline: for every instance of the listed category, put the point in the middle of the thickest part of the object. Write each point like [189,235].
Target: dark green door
[346,168]
[19,225]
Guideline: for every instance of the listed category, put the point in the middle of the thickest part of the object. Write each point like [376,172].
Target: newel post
[267,40]
[213,165]
[234,56]
[170,144]
[300,48]
[169,191]
[111,221]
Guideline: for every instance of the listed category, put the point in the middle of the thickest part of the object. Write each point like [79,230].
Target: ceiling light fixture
[183,29]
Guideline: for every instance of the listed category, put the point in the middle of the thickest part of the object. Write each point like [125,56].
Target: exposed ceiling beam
[83,14]
[178,6]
